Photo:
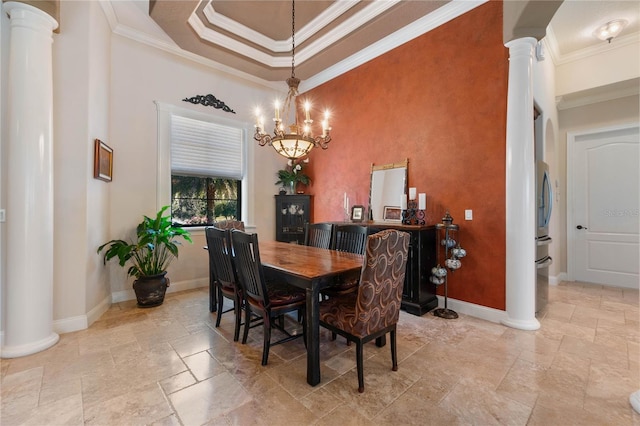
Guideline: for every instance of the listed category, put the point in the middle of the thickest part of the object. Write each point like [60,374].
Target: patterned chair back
[318,235]
[381,281]
[230,224]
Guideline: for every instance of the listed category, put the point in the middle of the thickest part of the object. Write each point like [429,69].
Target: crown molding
[351,24]
[564,102]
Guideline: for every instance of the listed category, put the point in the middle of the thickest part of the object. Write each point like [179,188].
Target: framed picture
[392,214]
[103,161]
[357,213]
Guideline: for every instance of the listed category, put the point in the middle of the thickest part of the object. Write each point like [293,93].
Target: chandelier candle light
[296,141]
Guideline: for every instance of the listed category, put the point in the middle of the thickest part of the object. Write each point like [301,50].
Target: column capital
[19,10]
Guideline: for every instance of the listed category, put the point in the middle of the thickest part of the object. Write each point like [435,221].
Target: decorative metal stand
[412,215]
[452,254]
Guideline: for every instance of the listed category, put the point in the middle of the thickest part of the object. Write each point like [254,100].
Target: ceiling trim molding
[357,20]
[421,26]
[280,46]
[152,41]
[577,55]
[562,103]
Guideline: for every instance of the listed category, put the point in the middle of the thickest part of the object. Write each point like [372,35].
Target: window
[206,171]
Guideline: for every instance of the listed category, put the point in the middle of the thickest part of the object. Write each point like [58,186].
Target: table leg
[313,337]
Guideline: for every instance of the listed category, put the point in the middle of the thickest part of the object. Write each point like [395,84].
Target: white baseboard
[124,295]
[82,322]
[471,309]
[557,279]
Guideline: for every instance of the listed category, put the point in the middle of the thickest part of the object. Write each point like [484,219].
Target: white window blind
[201,148]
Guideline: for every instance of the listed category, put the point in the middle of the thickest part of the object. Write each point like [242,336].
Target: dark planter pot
[150,290]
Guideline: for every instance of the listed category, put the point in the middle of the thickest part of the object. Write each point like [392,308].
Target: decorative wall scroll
[209,100]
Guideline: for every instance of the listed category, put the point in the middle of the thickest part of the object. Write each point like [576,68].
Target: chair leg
[267,338]
[304,326]
[247,322]
[359,366]
[394,352]
[220,302]
[333,336]
[237,310]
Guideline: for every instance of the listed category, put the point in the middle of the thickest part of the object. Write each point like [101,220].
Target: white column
[520,208]
[28,303]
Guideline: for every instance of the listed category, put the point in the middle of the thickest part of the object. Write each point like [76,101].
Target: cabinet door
[292,212]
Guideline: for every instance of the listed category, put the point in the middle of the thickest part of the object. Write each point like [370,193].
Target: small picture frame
[357,213]
[102,161]
[392,214]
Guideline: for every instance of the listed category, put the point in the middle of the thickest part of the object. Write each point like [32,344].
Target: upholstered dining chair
[372,311]
[223,275]
[318,235]
[269,300]
[229,224]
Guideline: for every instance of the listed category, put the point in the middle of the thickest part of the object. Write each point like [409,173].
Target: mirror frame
[399,165]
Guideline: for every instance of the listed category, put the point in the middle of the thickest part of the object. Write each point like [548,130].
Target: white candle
[422,201]
[277,105]
[403,202]
[412,193]
[307,108]
[344,203]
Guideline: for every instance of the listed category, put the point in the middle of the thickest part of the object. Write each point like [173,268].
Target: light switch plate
[468,215]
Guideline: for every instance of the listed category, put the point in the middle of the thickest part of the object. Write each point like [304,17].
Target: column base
[634,399]
[30,348]
[528,325]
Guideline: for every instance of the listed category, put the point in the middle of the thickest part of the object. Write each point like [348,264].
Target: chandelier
[293,141]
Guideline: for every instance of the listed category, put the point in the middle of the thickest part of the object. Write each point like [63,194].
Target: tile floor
[170,366]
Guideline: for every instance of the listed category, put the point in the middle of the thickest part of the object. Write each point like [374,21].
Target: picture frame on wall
[357,213]
[102,161]
[392,214]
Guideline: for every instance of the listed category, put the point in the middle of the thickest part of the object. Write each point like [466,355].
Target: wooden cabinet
[419,294]
[292,212]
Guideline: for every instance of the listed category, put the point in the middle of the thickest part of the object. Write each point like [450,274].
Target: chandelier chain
[293,38]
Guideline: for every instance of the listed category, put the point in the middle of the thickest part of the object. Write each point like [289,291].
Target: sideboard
[419,294]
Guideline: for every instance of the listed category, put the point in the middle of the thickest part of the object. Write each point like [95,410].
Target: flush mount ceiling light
[295,141]
[610,30]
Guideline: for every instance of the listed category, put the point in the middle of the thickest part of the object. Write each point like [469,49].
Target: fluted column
[520,176]
[28,302]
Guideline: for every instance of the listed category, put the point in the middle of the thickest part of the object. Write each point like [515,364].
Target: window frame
[163,181]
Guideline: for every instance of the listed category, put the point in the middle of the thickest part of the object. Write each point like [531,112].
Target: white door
[603,210]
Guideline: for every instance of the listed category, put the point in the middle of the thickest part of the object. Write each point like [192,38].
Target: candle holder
[412,215]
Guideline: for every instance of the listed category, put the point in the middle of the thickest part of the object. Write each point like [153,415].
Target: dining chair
[372,311]
[269,300]
[223,275]
[229,224]
[318,235]
[350,239]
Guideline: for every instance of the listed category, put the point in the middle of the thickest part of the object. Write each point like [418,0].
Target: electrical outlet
[468,215]
[3,215]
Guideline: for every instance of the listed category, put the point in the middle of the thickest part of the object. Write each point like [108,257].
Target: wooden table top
[307,262]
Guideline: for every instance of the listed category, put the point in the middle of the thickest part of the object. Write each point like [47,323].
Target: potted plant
[293,174]
[154,248]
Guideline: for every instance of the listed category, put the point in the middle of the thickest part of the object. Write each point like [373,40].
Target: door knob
[581,227]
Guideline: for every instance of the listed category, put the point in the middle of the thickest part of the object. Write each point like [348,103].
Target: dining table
[311,269]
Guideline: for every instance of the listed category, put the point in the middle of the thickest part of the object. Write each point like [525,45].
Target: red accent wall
[440,101]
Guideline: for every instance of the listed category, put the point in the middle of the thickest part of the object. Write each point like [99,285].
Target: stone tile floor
[170,366]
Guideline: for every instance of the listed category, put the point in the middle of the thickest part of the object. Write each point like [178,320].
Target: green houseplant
[155,246]
[293,174]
